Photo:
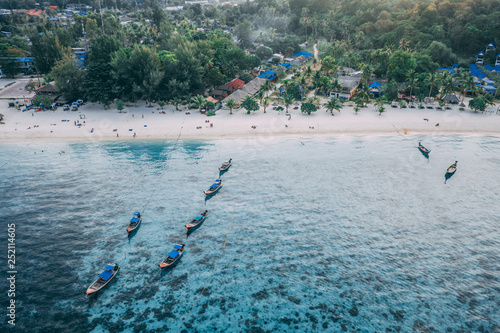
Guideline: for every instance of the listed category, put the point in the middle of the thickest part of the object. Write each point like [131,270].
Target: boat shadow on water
[132,233]
[448,176]
[193,229]
[426,155]
[210,196]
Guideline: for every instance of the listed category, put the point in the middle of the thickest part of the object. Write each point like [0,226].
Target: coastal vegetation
[178,55]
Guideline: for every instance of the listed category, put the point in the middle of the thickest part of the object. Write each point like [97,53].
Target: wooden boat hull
[191,227]
[164,265]
[210,192]
[224,168]
[92,290]
[451,170]
[424,150]
[132,228]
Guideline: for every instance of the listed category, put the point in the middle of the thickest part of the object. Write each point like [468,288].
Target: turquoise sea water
[356,234]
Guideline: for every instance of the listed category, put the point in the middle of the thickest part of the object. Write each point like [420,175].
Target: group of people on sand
[206,121]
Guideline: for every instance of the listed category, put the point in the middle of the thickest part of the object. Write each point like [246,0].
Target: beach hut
[225,87]
[238,96]
[375,88]
[218,94]
[453,99]
[252,87]
[48,89]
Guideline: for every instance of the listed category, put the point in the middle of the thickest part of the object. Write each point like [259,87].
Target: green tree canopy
[250,104]
[399,64]
[307,107]
[477,104]
[68,78]
[99,82]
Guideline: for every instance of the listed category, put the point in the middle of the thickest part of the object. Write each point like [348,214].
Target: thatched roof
[450,98]
[49,88]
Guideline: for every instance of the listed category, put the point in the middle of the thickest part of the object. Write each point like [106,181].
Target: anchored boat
[173,257]
[196,222]
[452,168]
[225,165]
[423,149]
[134,222]
[103,279]
[215,187]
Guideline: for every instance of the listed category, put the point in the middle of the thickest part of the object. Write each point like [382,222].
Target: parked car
[53,106]
[66,107]
[74,108]
[80,102]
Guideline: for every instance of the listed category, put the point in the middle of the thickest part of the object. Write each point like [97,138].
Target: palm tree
[489,99]
[288,99]
[466,82]
[331,105]
[411,80]
[231,104]
[448,83]
[267,86]
[303,85]
[432,79]
[265,103]
[176,102]
[198,101]
[260,95]
[380,103]
[316,79]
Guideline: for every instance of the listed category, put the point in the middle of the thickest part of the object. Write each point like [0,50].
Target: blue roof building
[269,75]
[450,70]
[303,53]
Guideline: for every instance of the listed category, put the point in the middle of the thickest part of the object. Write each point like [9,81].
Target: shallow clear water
[328,234]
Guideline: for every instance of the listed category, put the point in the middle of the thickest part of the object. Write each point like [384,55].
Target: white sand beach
[92,122]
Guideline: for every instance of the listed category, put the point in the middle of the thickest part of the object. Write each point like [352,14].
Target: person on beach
[437,124]
[134,134]
[117,135]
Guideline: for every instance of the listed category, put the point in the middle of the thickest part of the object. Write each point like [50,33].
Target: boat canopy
[173,254]
[106,275]
[110,267]
[177,246]
[216,184]
[134,219]
[198,217]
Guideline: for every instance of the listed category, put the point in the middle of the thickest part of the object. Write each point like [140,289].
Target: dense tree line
[162,55]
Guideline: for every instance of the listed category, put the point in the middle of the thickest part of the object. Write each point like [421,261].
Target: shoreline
[92,123]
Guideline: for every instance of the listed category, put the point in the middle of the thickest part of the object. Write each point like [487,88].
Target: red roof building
[35,12]
[236,83]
